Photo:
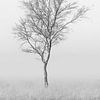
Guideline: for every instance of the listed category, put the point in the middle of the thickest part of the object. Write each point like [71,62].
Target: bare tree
[45,25]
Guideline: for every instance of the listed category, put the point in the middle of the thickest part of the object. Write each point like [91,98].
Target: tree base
[46,84]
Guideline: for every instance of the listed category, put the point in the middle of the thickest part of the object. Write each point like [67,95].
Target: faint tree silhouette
[45,25]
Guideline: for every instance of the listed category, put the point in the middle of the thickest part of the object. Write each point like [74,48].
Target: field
[57,90]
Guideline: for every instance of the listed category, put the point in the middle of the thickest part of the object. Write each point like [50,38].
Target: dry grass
[28,90]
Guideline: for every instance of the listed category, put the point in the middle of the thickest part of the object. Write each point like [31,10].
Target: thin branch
[33,47]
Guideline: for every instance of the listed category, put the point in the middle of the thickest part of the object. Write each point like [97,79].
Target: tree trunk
[45,75]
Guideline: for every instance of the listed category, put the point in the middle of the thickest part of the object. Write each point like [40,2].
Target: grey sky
[76,57]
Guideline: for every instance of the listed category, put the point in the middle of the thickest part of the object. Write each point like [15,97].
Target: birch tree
[45,24]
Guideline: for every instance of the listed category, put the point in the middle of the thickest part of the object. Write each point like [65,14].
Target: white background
[76,57]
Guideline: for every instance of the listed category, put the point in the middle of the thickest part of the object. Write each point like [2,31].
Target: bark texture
[45,75]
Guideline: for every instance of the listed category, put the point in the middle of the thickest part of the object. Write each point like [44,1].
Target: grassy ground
[57,90]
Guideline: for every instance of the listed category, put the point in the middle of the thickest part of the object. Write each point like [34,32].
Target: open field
[58,90]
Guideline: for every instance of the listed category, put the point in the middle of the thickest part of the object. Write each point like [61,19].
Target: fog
[76,57]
